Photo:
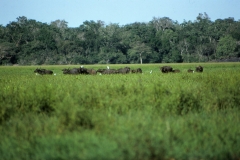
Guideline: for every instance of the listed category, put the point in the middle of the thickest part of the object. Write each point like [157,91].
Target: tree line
[161,40]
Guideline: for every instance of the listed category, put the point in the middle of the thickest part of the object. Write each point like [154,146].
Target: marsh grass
[133,116]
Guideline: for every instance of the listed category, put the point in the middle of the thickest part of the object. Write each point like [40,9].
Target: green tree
[62,25]
[111,49]
[7,53]
[162,23]
[91,39]
[139,52]
[28,41]
[226,47]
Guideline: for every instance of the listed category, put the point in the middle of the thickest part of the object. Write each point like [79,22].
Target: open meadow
[146,116]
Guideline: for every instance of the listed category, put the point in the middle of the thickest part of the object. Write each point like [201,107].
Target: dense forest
[161,40]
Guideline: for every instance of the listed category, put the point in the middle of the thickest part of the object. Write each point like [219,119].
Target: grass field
[133,116]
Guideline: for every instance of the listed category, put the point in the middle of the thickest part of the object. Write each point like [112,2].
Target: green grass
[133,116]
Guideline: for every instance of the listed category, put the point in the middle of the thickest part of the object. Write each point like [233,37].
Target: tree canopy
[161,40]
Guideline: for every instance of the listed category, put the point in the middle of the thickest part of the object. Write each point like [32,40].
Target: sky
[121,12]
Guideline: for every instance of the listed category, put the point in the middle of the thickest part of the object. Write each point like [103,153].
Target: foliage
[133,116]
[161,40]
[226,47]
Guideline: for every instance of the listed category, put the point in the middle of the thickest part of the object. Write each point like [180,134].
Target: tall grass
[133,116]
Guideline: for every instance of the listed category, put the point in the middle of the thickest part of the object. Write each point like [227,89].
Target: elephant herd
[125,70]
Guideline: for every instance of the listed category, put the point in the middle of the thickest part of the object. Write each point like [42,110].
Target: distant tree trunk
[186,48]
[140,55]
